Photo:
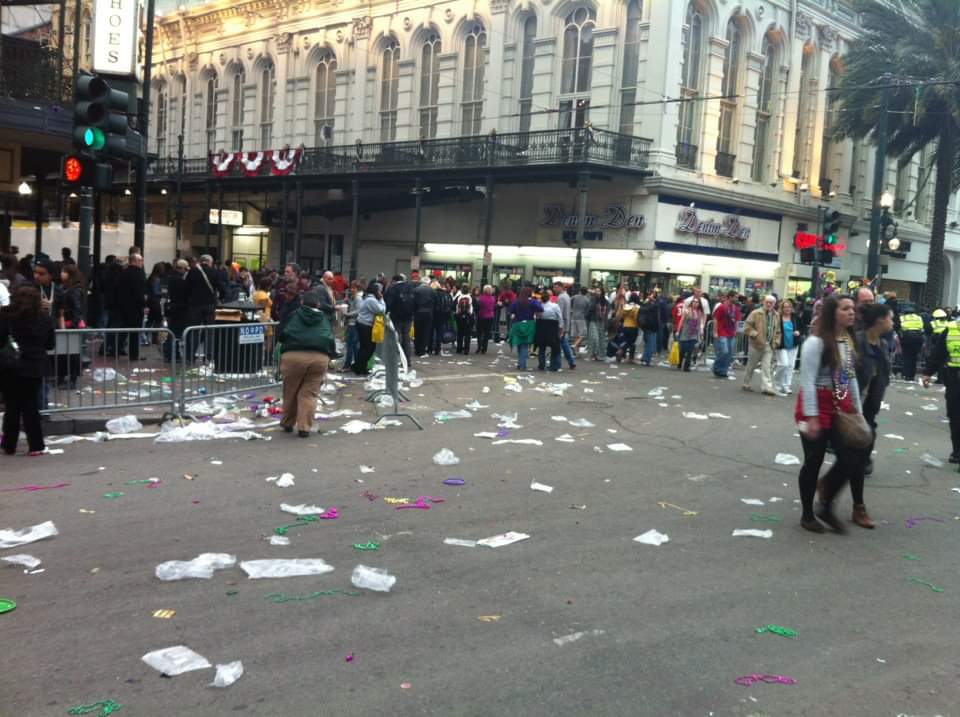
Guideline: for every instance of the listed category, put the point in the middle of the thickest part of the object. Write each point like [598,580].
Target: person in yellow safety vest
[945,356]
[940,322]
[912,330]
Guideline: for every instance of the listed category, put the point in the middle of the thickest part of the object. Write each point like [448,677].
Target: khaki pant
[303,374]
[763,358]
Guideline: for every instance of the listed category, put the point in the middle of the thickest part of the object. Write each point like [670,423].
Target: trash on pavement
[574,636]
[776,630]
[170,432]
[27,561]
[485,434]
[11,538]
[752,533]
[893,436]
[932,461]
[124,424]
[372,579]
[201,566]
[294,567]
[541,487]
[33,488]
[442,416]
[357,426]
[104,374]
[445,457]
[370,545]
[164,614]
[518,441]
[175,660]
[7,605]
[475,406]
[748,680]
[488,618]
[302,509]
[507,421]
[367,469]
[910,522]
[652,537]
[752,501]
[498,541]
[565,438]
[619,447]
[687,513]
[227,674]
[927,584]
[283,597]
[460,542]
[761,518]
[786,459]
[581,423]
[284,480]
[454,481]
[103,708]
[695,416]
[719,415]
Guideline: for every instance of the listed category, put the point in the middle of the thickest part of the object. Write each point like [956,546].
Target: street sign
[116,25]
[252,334]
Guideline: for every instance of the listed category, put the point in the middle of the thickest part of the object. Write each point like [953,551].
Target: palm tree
[918,43]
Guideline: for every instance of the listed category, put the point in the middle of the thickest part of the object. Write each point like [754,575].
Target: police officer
[939,323]
[912,330]
[945,355]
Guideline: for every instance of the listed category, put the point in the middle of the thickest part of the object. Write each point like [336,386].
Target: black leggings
[849,466]
[20,394]
[365,351]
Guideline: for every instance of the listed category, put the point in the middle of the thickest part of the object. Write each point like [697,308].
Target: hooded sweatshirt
[308,329]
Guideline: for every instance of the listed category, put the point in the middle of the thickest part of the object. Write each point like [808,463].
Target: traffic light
[80,171]
[100,118]
[831,228]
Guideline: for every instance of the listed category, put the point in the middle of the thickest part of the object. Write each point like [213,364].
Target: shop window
[268,89]
[210,124]
[236,116]
[631,61]
[690,80]
[462,273]
[526,71]
[544,276]
[758,286]
[801,141]
[161,131]
[723,284]
[730,103]
[429,86]
[475,59]
[324,99]
[576,66]
[511,276]
[389,90]
[761,142]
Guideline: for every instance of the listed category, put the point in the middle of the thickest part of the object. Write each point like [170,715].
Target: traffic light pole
[815,272]
[879,171]
[143,124]
[83,237]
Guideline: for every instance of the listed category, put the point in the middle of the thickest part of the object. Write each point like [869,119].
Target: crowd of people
[848,345]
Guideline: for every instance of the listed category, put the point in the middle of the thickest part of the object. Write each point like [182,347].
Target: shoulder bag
[9,355]
[853,428]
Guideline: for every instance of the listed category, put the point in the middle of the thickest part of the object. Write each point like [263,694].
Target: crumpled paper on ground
[290,568]
[302,509]
[12,538]
[170,432]
[752,533]
[786,459]
[201,566]
[175,660]
[27,561]
[652,537]
[284,480]
[227,674]
[445,457]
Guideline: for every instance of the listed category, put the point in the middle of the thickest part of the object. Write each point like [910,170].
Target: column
[417,215]
[299,229]
[494,78]
[280,98]
[285,209]
[220,256]
[819,107]
[355,228]
[778,141]
[543,75]
[603,99]
[710,110]
[661,60]
[448,98]
[360,57]
[344,129]
[487,226]
[408,125]
[748,116]
[790,107]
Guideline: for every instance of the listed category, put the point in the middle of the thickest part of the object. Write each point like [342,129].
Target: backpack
[445,303]
[404,304]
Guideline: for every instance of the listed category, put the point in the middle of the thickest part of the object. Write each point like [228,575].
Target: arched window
[236,111]
[429,86]
[268,89]
[801,138]
[161,131]
[827,163]
[324,99]
[528,55]
[474,61]
[761,140]
[389,89]
[690,74]
[576,66]
[729,105]
[211,112]
[631,61]
[86,35]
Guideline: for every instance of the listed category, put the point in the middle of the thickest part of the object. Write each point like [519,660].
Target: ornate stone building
[732,99]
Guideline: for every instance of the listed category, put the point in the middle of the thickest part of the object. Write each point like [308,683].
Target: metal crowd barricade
[228,358]
[393,360]
[103,369]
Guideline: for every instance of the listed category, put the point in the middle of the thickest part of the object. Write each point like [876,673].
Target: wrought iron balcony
[31,71]
[725,163]
[687,155]
[547,147]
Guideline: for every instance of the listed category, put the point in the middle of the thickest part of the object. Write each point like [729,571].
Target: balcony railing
[578,145]
[725,163]
[30,71]
[687,155]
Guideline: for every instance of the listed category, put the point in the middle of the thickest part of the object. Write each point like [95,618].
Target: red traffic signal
[72,170]
[85,172]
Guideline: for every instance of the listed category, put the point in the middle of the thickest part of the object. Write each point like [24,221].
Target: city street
[577,619]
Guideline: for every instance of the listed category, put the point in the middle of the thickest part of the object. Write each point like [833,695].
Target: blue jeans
[649,346]
[523,351]
[723,355]
[567,354]
[352,340]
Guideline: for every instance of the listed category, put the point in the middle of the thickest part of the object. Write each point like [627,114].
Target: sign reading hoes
[115,31]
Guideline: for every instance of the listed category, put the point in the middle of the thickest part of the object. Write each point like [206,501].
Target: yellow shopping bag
[675,354]
[377,335]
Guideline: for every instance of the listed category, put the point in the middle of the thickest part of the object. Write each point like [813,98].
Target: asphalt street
[578,619]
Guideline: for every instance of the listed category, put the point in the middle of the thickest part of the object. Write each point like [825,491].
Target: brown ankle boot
[861,517]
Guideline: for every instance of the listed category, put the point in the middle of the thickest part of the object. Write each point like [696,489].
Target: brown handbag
[853,428]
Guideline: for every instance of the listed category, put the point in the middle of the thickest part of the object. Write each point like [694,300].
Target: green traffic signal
[93,138]
[831,239]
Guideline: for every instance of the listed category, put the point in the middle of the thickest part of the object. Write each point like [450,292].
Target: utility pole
[815,272]
[179,209]
[879,174]
[83,235]
[143,124]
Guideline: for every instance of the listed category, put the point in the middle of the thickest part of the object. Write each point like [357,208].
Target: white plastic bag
[652,537]
[752,533]
[285,568]
[372,579]
[201,566]
[284,480]
[445,457]
[175,660]
[227,674]
[786,459]
[124,424]
[497,541]
[27,561]
[302,509]
[11,538]
[542,487]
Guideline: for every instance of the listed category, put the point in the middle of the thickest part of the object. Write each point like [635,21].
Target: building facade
[733,102]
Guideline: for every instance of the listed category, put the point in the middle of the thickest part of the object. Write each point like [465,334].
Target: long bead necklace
[841,375]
